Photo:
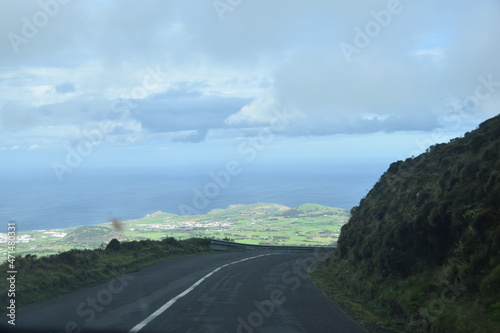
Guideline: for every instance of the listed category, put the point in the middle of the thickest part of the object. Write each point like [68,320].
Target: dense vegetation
[423,247]
[40,278]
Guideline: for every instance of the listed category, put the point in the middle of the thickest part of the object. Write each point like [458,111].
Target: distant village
[28,238]
[184,225]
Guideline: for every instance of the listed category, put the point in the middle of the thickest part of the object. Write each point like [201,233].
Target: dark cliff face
[428,210]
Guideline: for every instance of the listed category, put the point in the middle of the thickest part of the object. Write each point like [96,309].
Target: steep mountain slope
[424,244]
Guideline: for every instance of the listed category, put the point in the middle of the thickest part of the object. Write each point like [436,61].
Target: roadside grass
[372,315]
[42,278]
[425,302]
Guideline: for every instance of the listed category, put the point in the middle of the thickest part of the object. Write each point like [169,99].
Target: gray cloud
[186,109]
[17,117]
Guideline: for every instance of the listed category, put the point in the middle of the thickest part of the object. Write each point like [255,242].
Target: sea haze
[39,201]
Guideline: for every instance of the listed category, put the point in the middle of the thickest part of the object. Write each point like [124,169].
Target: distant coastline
[89,199]
[269,223]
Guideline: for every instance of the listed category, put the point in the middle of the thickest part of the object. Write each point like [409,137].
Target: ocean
[37,200]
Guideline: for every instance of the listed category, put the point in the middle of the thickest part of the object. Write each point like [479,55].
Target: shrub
[113,245]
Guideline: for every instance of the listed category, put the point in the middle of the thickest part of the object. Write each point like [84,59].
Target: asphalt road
[221,292]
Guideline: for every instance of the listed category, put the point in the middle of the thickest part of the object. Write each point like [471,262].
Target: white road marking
[165,306]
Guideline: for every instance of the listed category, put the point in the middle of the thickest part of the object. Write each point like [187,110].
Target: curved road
[222,292]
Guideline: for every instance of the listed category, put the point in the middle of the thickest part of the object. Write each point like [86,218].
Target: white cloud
[259,112]
[225,79]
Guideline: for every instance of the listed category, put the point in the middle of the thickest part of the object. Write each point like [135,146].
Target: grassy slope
[422,250]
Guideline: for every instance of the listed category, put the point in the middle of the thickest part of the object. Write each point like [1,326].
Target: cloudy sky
[176,82]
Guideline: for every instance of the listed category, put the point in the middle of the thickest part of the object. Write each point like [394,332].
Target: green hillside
[423,247]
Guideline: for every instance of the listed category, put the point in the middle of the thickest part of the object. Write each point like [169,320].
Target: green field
[263,223]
